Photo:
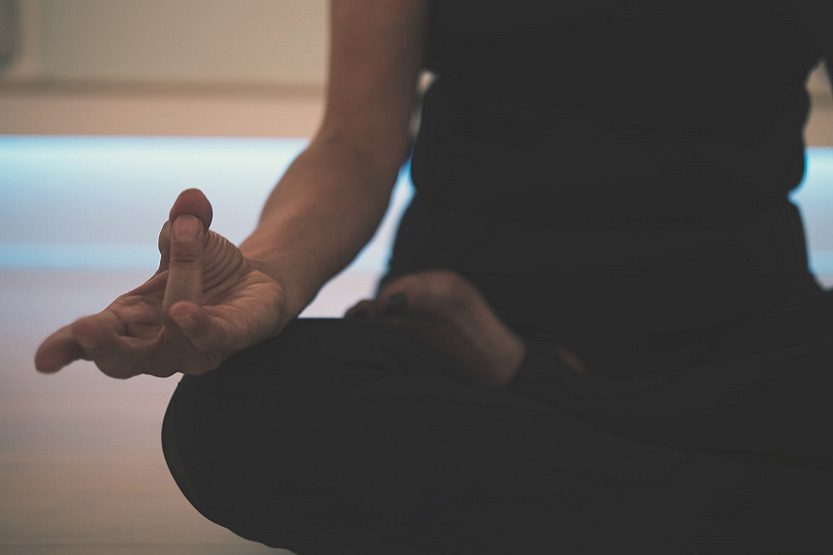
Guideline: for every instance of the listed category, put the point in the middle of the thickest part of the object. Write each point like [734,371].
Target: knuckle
[454,288]
[449,282]
[215,241]
[185,256]
[413,281]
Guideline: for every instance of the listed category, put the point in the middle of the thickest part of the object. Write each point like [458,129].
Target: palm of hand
[205,302]
[156,345]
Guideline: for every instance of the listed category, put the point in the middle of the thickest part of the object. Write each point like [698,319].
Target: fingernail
[186,228]
[395,304]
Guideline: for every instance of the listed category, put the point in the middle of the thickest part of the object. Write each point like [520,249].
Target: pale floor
[81,465]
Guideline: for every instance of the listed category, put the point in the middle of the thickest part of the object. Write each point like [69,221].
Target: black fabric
[719,396]
[607,172]
[613,177]
[342,437]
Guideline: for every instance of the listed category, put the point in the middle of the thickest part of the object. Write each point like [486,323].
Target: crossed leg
[345,437]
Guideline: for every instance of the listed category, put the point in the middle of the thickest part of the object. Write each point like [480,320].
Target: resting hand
[447,315]
[204,303]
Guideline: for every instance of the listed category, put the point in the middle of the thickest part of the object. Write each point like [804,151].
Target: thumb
[189,219]
[189,201]
[185,261]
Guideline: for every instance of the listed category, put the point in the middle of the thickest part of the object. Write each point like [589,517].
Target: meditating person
[597,330]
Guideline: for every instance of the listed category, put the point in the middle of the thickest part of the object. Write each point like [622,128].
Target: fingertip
[55,352]
[44,366]
[182,310]
[192,201]
[363,310]
[193,322]
[188,317]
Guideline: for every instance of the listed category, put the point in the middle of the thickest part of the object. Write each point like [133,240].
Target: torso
[610,172]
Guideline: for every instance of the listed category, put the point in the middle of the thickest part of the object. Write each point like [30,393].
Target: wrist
[291,300]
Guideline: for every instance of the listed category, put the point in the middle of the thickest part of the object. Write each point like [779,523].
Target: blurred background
[109,108]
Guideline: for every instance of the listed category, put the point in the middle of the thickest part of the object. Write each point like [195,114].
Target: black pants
[344,437]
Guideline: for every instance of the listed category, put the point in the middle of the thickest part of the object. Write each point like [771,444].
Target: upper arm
[376,50]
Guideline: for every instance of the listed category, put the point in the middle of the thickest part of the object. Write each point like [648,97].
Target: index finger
[194,202]
[57,350]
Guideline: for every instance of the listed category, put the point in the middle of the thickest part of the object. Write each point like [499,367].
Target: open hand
[204,303]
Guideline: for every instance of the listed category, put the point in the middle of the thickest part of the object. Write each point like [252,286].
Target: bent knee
[177,449]
[272,474]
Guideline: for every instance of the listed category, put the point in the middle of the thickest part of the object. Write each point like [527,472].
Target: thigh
[762,388]
[761,397]
[343,435]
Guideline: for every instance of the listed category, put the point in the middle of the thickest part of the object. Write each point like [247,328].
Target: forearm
[321,213]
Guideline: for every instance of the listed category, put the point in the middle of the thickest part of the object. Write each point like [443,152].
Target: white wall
[280,42]
[213,41]
[155,67]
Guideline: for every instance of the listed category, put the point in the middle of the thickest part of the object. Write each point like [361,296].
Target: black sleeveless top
[615,173]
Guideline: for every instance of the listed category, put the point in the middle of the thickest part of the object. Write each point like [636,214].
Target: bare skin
[210,298]
[447,315]
[206,301]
